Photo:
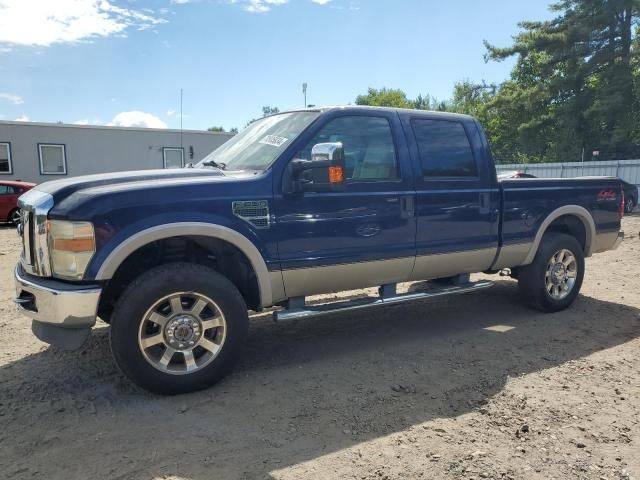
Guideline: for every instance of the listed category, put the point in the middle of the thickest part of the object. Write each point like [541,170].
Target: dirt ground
[477,386]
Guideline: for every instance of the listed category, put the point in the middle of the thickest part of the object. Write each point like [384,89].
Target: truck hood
[65,187]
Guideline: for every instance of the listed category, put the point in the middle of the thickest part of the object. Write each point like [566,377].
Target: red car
[9,193]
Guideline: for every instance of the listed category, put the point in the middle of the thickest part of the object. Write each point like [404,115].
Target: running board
[298,309]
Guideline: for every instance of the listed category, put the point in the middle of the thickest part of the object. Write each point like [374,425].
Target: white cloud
[86,121]
[23,118]
[136,118]
[181,2]
[15,99]
[44,22]
[259,6]
[175,113]
[263,6]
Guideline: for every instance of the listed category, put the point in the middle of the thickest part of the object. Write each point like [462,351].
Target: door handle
[485,202]
[407,206]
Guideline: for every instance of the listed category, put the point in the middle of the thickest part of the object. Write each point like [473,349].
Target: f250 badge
[606,195]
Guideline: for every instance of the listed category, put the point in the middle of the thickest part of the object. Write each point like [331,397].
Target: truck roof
[365,108]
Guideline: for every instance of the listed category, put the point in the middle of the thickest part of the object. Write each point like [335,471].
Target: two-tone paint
[369,233]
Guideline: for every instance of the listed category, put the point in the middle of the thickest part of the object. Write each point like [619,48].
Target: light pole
[304,92]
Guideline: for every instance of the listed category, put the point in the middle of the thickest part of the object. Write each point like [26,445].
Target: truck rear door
[458,199]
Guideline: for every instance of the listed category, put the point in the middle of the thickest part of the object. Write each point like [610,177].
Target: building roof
[109,127]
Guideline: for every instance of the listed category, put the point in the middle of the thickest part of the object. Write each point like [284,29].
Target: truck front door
[363,235]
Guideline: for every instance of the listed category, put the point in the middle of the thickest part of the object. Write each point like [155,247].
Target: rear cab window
[444,149]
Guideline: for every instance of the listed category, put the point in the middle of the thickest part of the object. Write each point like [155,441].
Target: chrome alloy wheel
[561,273]
[16,217]
[182,333]
[629,205]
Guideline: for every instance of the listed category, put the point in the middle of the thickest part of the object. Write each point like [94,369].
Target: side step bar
[298,309]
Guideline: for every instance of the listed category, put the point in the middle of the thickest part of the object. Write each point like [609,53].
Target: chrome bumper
[618,240]
[52,302]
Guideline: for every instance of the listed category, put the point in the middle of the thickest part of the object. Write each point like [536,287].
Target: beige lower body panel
[512,255]
[337,278]
[277,287]
[605,241]
[449,264]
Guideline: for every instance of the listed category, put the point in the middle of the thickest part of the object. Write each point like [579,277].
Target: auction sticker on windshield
[273,140]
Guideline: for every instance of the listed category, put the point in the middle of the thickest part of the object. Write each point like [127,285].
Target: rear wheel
[553,280]
[178,328]
[629,204]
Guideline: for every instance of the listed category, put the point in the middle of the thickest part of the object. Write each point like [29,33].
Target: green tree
[573,83]
[216,129]
[385,97]
[267,110]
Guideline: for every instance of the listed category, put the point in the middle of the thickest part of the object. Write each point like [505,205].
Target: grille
[31,236]
[27,235]
[255,212]
[34,207]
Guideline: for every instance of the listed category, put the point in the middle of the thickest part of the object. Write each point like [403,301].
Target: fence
[628,170]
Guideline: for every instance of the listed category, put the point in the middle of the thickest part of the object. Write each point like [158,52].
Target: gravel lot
[476,386]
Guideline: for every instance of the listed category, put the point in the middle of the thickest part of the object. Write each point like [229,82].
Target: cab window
[444,148]
[369,149]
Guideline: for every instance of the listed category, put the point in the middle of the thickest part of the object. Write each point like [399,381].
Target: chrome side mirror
[324,172]
[333,151]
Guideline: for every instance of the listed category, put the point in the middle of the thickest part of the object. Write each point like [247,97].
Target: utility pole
[304,92]
[181,119]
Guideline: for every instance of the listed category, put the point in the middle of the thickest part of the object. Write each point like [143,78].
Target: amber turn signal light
[74,244]
[336,175]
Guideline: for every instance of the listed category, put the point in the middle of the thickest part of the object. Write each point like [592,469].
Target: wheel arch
[143,238]
[573,213]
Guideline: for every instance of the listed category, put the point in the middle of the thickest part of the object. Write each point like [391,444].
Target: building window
[53,159]
[173,157]
[5,158]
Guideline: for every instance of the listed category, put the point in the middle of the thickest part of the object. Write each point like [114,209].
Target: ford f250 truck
[299,203]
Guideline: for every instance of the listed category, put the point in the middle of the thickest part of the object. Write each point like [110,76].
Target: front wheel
[14,216]
[178,328]
[552,281]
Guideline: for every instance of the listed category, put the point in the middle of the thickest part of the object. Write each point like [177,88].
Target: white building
[38,152]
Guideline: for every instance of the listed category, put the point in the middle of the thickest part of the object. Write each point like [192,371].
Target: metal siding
[92,150]
[628,170]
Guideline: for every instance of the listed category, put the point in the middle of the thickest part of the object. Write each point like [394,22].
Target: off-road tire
[156,284]
[532,279]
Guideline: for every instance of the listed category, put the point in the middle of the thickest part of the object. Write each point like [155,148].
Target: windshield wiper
[212,163]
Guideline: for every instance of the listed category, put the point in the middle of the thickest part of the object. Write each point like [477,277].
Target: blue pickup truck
[299,203]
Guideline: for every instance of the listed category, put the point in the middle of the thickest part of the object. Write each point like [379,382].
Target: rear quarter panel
[527,203]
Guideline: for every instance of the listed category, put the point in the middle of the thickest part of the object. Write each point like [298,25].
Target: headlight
[71,246]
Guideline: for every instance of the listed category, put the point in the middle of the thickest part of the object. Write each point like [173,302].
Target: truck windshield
[258,145]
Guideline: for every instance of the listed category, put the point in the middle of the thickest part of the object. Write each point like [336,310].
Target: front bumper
[56,303]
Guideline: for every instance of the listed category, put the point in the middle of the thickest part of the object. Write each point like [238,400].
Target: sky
[123,62]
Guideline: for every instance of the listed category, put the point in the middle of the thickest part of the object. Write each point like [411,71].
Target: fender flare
[181,229]
[575,210]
